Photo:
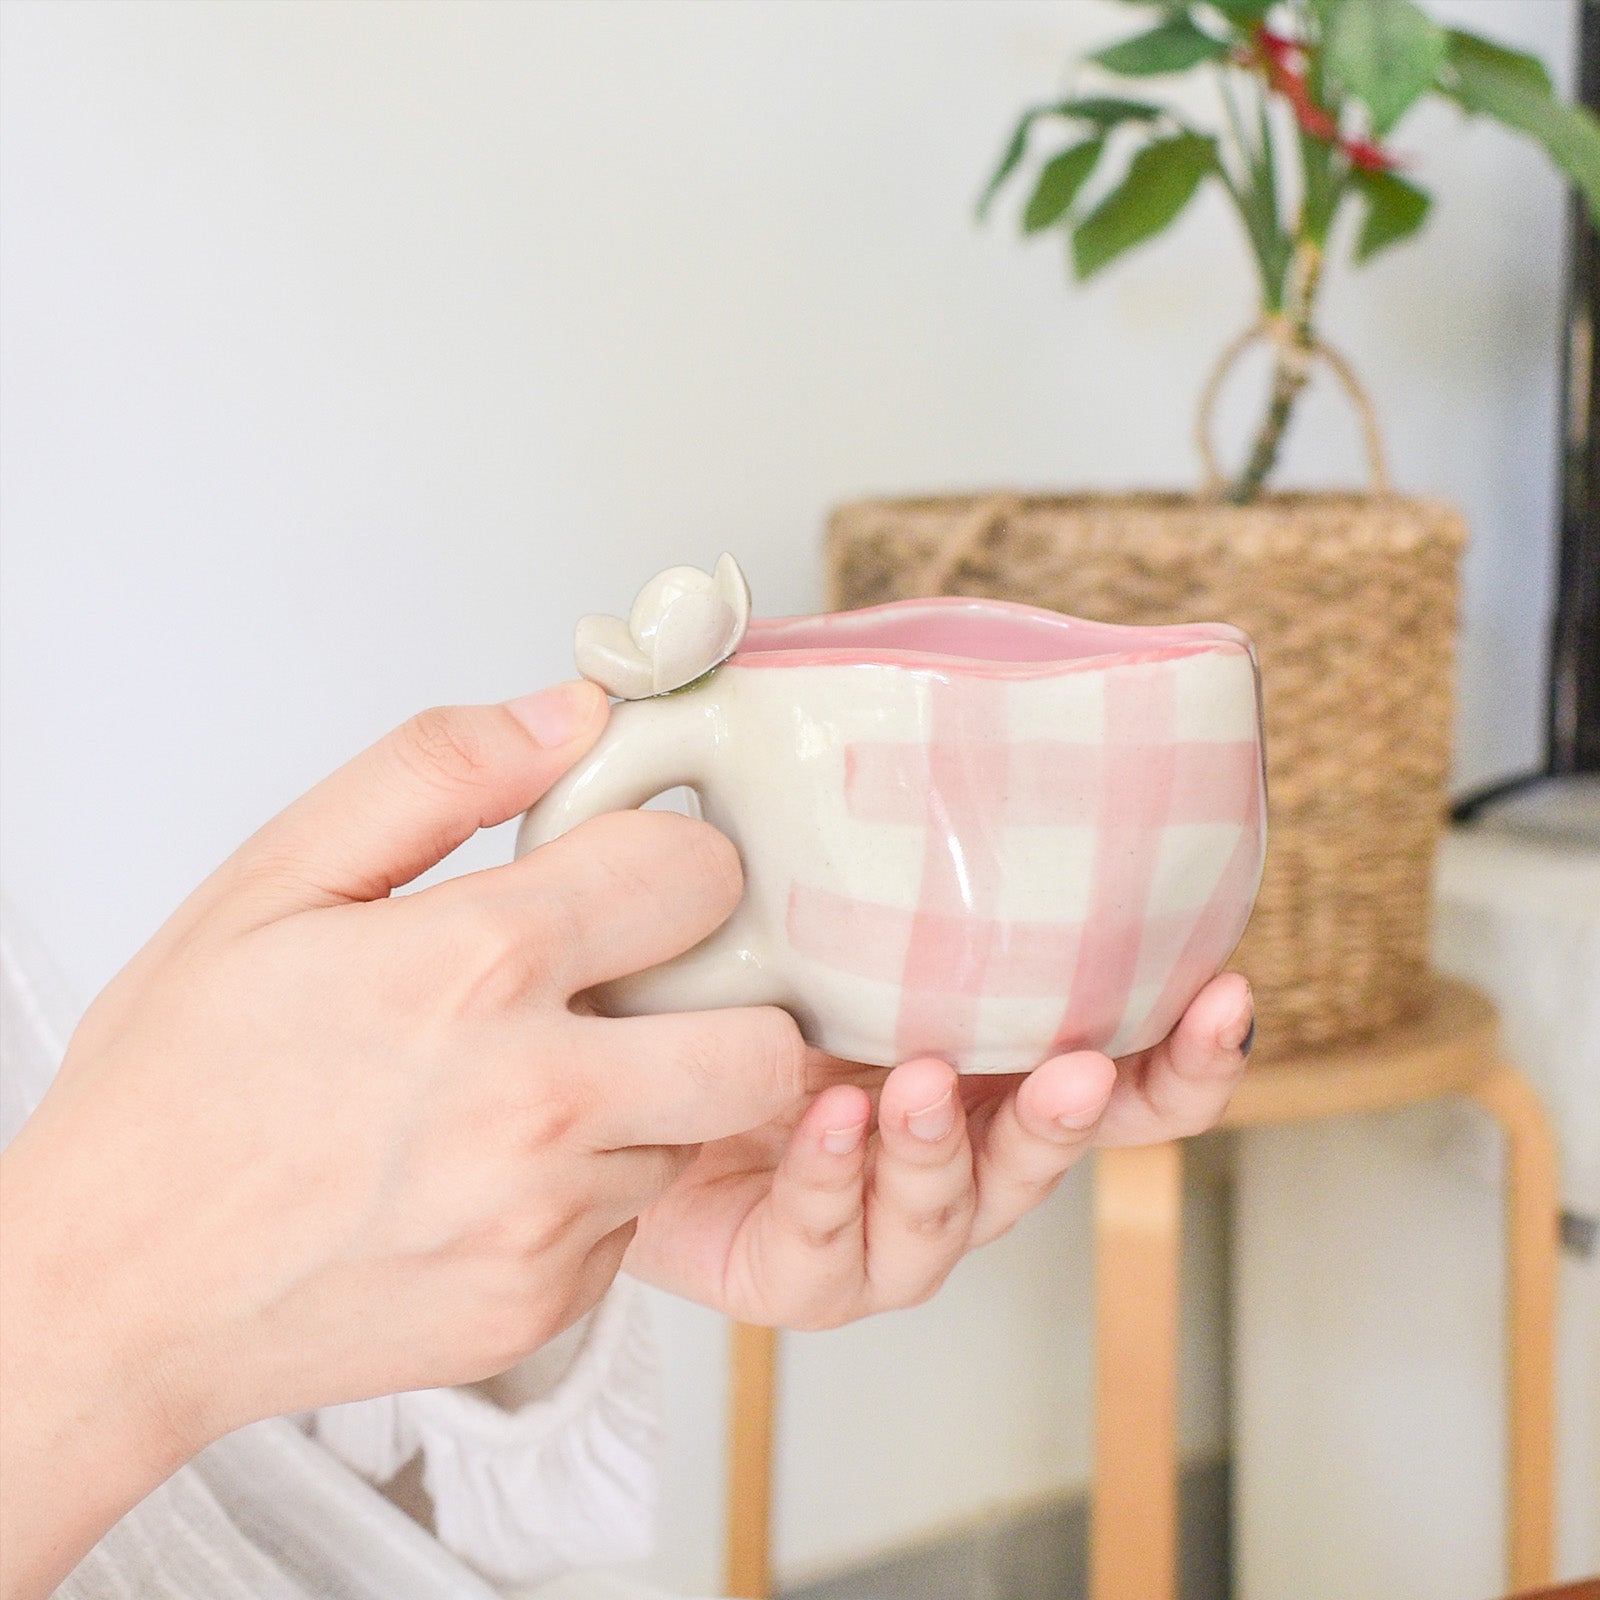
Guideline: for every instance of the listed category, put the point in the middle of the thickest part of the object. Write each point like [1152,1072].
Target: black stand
[1572,725]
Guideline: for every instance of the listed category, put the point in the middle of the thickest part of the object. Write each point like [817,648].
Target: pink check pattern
[970,784]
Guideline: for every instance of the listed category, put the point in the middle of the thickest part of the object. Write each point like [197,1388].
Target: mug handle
[648,747]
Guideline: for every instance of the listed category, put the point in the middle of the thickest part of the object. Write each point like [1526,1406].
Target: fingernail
[933,1123]
[1077,1121]
[1240,1035]
[556,716]
[841,1141]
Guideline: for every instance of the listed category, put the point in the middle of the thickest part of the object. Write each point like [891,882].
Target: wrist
[94,1417]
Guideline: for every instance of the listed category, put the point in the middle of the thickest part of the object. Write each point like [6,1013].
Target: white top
[1517,911]
[548,1469]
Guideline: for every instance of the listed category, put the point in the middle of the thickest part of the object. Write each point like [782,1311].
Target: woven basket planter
[1351,600]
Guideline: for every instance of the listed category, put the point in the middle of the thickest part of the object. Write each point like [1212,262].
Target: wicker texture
[1351,601]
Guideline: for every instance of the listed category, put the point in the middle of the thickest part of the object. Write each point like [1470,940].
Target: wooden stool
[1451,1049]
[752,1396]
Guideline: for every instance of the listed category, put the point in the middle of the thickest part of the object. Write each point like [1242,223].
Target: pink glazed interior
[990,637]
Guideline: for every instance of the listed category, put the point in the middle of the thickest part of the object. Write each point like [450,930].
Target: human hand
[813,1220]
[314,1143]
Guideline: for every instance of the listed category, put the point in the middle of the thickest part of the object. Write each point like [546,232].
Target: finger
[803,1251]
[598,1272]
[556,1288]
[405,803]
[629,1182]
[1182,1085]
[922,1197]
[688,1077]
[620,893]
[823,1070]
[1034,1134]
[541,1214]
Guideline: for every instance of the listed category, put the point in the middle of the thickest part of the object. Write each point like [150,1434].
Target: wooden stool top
[1446,1049]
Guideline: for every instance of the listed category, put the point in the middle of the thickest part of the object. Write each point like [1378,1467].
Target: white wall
[351,351]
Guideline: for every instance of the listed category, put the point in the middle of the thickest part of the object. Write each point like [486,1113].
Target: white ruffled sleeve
[539,1471]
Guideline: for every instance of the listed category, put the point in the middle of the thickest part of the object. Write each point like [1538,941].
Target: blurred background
[352,351]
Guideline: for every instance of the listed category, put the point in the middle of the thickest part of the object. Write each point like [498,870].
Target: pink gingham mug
[975,830]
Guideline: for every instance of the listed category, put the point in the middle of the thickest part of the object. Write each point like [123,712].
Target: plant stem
[1288,379]
[1295,342]
[1254,198]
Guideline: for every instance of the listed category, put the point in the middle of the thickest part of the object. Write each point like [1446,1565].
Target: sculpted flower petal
[682,624]
[659,596]
[695,632]
[605,652]
[733,587]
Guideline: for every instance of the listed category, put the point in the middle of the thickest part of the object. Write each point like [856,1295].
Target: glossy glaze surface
[970,829]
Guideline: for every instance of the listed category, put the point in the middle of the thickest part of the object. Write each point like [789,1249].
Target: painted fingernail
[556,716]
[933,1123]
[1240,1034]
[841,1141]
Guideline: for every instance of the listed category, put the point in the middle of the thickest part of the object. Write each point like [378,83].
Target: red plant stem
[1278,58]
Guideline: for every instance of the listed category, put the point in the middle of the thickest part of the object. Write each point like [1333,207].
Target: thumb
[406,802]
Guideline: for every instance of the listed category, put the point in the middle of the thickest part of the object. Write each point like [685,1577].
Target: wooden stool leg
[1133,1526]
[1532,1256]
[747,1561]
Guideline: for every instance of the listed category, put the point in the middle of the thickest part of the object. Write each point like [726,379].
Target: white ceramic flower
[683,623]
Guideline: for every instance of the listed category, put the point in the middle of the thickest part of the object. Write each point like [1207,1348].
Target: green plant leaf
[1060,179]
[1483,55]
[1242,13]
[1173,46]
[1107,110]
[1103,111]
[1486,80]
[1395,210]
[1384,53]
[1160,182]
[1010,160]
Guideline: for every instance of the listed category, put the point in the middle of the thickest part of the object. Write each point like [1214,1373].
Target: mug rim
[763,647]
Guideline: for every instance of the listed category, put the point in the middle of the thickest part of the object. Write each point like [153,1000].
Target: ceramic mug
[970,829]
